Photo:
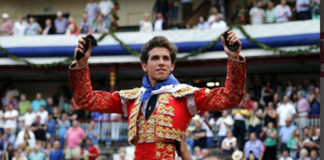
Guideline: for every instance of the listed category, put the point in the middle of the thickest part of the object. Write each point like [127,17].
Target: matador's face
[159,65]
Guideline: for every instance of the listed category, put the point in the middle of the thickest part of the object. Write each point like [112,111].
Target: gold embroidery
[207,90]
[130,94]
[184,91]
[164,98]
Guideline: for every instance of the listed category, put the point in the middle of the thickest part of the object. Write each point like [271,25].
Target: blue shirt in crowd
[286,132]
[37,103]
[56,155]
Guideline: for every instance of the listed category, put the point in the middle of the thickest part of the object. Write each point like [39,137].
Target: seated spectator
[254,146]
[160,23]
[37,154]
[98,26]
[84,24]
[23,104]
[214,13]
[294,143]
[229,143]
[270,142]
[20,26]
[105,8]
[257,14]
[33,27]
[10,118]
[202,23]
[283,13]
[316,9]
[146,24]
[38,102]
[49,28]
[270,13]
[61,23]
[72,27]
[56,153]
[199,135]
[285,155]
[6,27]
[303,154]
[254,120]
[285,133]
[218,24]
[303,9]
[314,101]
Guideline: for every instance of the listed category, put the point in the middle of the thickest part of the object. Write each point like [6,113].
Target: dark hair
[158,41]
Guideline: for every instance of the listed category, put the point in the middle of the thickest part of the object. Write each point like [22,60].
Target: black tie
[150,106]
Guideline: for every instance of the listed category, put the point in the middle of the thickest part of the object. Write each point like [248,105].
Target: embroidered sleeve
[227,97]
[86,98]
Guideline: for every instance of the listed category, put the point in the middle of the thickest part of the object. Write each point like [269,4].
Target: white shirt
[11,123]
[221,25]
[19,28]
[146,26]
[229,141]
[158,25]
[257,15]
[282,13]
[1,120]
[43,116]
[284,111]
[288,158]
[29,118]
[21,134]
[212,18]
[223,122]
[105,7]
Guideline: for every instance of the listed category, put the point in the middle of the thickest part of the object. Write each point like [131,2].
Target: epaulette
[186,90]
[131,93]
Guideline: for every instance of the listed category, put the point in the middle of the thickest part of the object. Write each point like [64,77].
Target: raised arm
[231,94]
[84,96]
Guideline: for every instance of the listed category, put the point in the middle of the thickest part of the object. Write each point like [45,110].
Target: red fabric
[94,151]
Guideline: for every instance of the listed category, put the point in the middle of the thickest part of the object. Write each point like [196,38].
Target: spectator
[303,154]
[8,138]
[229,143]
[316,139]
[39,129]
[161,6]
[105,8]
[285,155]
[254,120]
[19,155]
[303,9]
[49,105]
[72,27]
[189,141]
[91,9]
[270,13]
[283,13]
[316,9]
[303,108]
[33,27]
[93,152]
[63,125]
[202,23]
[56,153]
[225,124]
[247,102]
[49,28]
[197,153]
[146,24]
[186,9]
[199,135]
[115,126]
[270,142]
[98,25]
[214,13]
[173,11]
[285,109]
[43,114]
[218,24]
[9,153]
[10,118]
[19,26]
[257,14]
[6,27]
[25,135]
[93,134]
[11,100]
[314,155]
[270,115]
[61,23]
[285,133]
[160,23]
[23,104]
[74,138]
[1,122]
[38,102]
[37,154]
[29,117]
[314,101]
[239,115]
[294,143]
[254,146]
[84,24]
[51,126]
[266,94]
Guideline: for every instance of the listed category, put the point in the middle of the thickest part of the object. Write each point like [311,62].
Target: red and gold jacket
[155,138]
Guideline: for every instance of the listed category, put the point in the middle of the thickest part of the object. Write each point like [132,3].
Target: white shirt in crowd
[29,118]
[20,138]
[43,116]
[223,125]
[212,18]
[284,111]
[1,119]
[106,7]
[257,15]
[158,25]
[221,25]
[11,123]
[228,141]
[146,26]
[19,28]
[282,13]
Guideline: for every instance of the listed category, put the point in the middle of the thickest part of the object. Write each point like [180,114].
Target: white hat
[237,155]
[5,15]
[59,13]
